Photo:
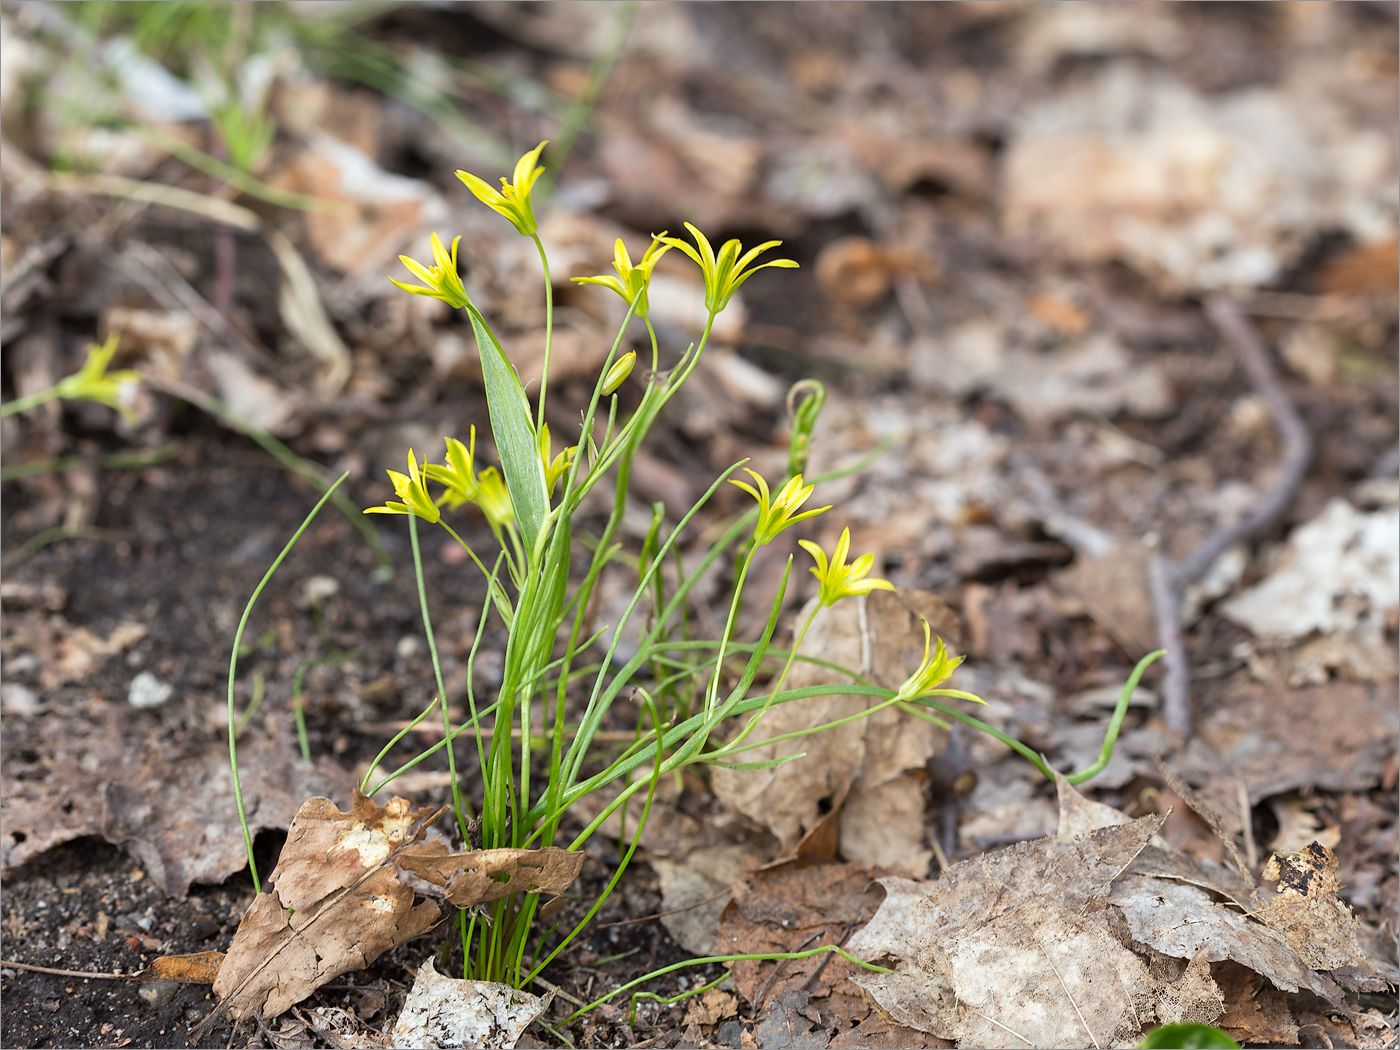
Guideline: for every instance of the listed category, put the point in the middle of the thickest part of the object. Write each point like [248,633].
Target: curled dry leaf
[340,900]
[198,968]
[336,905]
[484,875]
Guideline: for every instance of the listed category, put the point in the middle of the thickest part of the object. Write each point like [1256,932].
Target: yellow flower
[932,671]
[775,515]
[412,489]
[620,370]
[93,382]
[458,474]
[726,272]
[839,579]
[513,198]
[494,499]
[440,281]
[555,467]
[631,281]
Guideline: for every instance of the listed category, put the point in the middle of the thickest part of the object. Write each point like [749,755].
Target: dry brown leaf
[1255,1011]
[796,906]
[877,1032]
[1316,925]
[1203,810]
[1336,737]
[712,1007]
[197,968]
[336,906]
[876,761]
[1183,921]
[484,875]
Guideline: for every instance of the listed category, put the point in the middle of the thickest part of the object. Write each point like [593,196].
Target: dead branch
[1168,578]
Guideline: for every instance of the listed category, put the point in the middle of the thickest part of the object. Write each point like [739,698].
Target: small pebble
[16,699]
[319,588]
[148,691]
[158,993]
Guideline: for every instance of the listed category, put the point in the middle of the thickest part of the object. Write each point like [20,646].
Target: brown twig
[1169,579]
[662,914]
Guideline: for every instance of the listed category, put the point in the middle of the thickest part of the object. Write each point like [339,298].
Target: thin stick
[1251,851]
[662,914]
[68,973]
[1168,580]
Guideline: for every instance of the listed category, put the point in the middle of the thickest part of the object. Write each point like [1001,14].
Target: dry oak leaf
[484,875]
[1316,925]
[336,905]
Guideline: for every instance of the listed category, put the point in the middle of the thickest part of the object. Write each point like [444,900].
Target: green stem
[437,669]
[233,674]
[548,326]
[1116,722]
[712,694]
[724,959]
[24,404]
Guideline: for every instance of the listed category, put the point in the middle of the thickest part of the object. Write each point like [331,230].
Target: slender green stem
[712,694]
[493,586]
[24,404]
[389,747]
[621,867]
[233,674]
[581,105]
[732,747]
[131,460]
[548,326]
[724,959]
[437,669]
[1116,722]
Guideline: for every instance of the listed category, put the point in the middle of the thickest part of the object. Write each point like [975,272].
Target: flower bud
[621,369]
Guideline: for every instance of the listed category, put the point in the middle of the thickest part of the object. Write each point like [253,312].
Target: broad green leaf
[514,432]
[1188,1037]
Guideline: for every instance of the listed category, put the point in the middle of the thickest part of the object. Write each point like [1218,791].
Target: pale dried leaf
[1182,921]
[443,1012]
[1042,975]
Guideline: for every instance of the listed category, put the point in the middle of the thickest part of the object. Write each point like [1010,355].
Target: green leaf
[514,432]
[1187,1037]
[767,764]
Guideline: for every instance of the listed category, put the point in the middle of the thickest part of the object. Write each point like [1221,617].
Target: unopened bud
[621,369]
